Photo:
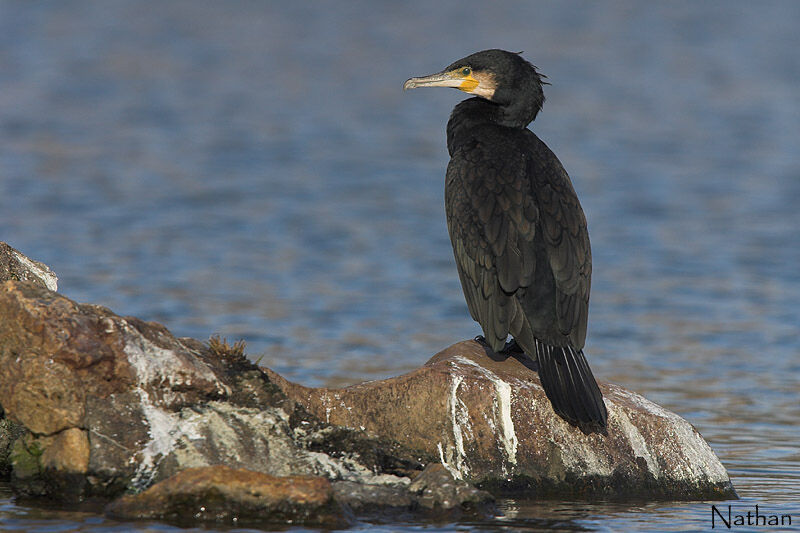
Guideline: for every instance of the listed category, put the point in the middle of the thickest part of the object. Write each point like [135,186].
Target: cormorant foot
[480,339]
[512,348]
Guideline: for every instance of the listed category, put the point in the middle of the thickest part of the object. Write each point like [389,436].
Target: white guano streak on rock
[156,365]
[697,461]
[459,417]
[160,366]
[456,457]
[445,463]
[326,401]
[507,436]
[458,436]
[635,438]
[165,430]
[578,453]
[47,276]
[349,469]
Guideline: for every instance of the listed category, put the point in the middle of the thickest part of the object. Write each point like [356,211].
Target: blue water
[253,169]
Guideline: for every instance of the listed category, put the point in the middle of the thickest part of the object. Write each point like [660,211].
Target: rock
[97,405]
[93,404]
[150,405]
[54,464]
[15,266]
[56,355]
[437,488]
[433,491]
[374,500]
[10,433]
[234,496]
[68,453]
[488,422]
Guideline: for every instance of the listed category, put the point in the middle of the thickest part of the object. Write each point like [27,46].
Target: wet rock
[54,464]
[16,266]
[488,422]
[437,488]
[434,491]
[234,496]
[374,500]
[9,434]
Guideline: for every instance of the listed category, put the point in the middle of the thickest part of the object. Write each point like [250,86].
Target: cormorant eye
[466,71]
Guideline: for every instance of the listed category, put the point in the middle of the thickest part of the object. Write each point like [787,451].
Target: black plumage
[518,230]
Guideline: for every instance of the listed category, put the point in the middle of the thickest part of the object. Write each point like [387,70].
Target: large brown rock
[148,404]
[56,354]
[88,384]
[488,422]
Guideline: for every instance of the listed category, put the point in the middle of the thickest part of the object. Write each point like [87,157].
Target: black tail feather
[570,386]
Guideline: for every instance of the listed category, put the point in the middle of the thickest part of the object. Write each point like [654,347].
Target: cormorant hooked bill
[518,231]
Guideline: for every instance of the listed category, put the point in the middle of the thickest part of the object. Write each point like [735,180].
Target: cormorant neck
[474,111]
[522,109]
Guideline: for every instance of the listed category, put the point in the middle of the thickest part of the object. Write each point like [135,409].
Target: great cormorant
[518,231]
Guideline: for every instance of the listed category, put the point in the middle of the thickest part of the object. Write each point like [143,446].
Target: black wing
[566,238]
[491,218]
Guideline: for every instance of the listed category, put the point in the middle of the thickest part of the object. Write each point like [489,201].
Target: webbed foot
[480,339]
[512,348]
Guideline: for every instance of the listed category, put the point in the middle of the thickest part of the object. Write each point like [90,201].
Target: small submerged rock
[234,496]
[437,488]
[93,404]
[433,492]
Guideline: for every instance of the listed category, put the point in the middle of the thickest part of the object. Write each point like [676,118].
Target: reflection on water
[254,170]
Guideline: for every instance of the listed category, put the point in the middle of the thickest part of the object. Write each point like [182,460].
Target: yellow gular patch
[469,84]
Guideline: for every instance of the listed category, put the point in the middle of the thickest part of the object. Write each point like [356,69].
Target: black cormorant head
[501,77]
